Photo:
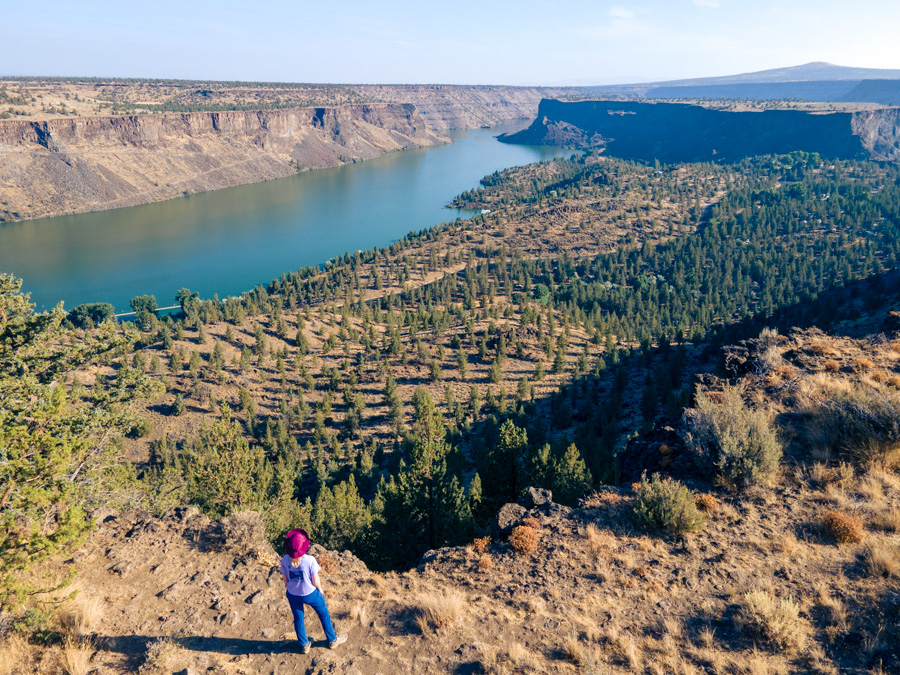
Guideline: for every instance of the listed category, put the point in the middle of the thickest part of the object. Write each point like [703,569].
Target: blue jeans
[317,601]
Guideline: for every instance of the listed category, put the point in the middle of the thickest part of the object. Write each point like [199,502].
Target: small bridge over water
[158,309]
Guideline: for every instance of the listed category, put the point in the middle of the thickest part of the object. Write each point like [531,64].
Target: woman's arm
[317,583]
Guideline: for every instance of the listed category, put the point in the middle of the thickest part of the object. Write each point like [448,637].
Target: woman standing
[301,581]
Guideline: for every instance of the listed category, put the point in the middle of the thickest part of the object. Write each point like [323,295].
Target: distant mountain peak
[806,72]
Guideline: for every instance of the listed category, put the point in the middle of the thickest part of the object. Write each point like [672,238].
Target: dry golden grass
[832,366]
[842,528]
[328,562]
[574,651]
[871,488]
[758,663]
[626,648]
[820,348]
[599,541]
[707,636]
[533,605]
[888,519]
[15,655]
[841,475]
[489,658]
[775,620]
[786,543]
[521,657]
[836,611]
[532,522]
[163,656]
[75,656]
[882,558]
[864,363]
[837,495]
[360,612]
[81,614]
[437,610]
[786,372]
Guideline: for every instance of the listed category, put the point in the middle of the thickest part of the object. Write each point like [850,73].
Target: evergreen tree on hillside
[504,466]
[571,477]
[340,517]
[424,505]
[57,456]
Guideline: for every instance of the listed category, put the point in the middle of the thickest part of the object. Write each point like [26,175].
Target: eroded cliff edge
[676,132]
[77,165]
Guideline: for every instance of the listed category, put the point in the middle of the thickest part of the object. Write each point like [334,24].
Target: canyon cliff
[465,106]
[674,132]
[63,166]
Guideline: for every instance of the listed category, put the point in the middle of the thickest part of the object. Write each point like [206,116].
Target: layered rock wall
[674,132]
[468,107]
[76,165]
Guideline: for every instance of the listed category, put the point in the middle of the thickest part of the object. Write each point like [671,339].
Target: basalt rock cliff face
[89,164]
[673,132]
[468,107]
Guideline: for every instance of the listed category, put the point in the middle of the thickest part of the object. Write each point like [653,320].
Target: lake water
[229,241]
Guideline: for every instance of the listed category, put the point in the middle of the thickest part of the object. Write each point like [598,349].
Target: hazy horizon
[395,42]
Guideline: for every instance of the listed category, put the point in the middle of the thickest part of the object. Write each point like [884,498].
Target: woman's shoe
[338,640]
[304,649]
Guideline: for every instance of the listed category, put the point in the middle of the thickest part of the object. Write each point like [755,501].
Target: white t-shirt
[300,577]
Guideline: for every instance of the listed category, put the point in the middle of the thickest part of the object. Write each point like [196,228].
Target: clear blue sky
[522,42]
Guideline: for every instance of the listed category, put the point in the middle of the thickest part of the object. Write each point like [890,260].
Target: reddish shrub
[706,502]
[328,562]
[481,545]
[486,563]
[842,527]
[524,539]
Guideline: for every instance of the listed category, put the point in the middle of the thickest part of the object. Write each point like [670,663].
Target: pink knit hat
[296,543]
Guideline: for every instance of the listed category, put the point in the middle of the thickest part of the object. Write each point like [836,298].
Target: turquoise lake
[231,240]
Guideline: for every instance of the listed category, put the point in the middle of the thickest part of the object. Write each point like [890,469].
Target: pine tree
[224,472]
[340,517]
[571,478]
[394,404]
[424,505]
[476,498]
[503,465]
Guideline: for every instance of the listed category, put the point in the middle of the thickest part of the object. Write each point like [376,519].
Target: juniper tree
[340,517]
[571,478]
[424,505]
[57,456]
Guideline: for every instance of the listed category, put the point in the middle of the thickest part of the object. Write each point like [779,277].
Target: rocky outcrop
[64,166]
[673,132]
[879,133]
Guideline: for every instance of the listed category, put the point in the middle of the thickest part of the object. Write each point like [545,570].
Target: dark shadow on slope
[858,310]
[137,644]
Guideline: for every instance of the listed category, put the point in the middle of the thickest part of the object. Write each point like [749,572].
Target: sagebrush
[774,620]
[728,437]
[668,505]
[862,422]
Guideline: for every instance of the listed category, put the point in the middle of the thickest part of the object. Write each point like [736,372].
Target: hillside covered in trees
[393,400]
